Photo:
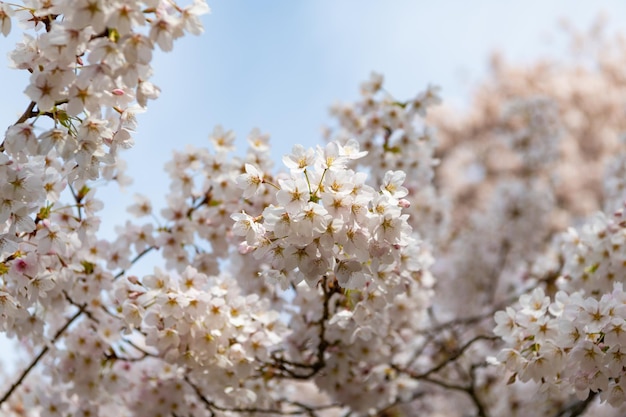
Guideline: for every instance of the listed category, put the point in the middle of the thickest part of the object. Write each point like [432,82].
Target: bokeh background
[279,65]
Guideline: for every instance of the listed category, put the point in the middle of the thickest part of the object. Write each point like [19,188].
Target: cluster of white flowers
[395,137]
[204,326]
[326,219]
[89,76]
[345,284]
[573,341]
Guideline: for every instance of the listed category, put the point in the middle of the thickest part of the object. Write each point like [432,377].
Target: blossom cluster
[574,340]
[395,137]
[364,278]
[89,69]
[569,343]
[204,325]
[326,219]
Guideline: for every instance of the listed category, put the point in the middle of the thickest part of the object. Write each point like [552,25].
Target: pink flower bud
[244,248]
[404,203]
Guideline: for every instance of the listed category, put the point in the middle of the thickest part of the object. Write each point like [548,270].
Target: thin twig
[578,408]
[27,113]
[449,360]
[283,365]
[36,360]
[135,259]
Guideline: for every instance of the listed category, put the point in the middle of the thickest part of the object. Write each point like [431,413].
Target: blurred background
[279,65]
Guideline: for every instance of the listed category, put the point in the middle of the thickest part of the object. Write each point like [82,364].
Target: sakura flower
[351,149]
[350,274]
[277,220]
[83,96]
[299,159]
[258,142]
[190,15]
[339,182]
[142,206]
[536,303]
[124,16]
[21,220]
[8,305]
[332,157]
[5,18]
[147,91]
[164,30]
[222,141]
[40,285]
[45,90]
[293,194]
[89,13]
[19,139]
[505,324]
[137,49]
[373,85]
[132,313]
[246,225]
[251,181]
[172,305]
[392,184]
[312,220]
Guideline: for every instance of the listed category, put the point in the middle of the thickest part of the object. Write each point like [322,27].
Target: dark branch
[578,408]
[36,360]
[28,113]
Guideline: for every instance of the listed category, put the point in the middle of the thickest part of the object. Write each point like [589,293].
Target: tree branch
[36,360]
[283,365]
[135,259]
[27,113]
[578,408]
[449,360]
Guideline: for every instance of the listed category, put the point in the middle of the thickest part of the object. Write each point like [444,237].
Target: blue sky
[278,66]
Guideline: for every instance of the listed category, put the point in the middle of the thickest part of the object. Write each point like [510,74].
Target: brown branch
[480,408]
[36,360]
[398,401]
[82,307]
[283,365]
[28,113]
[578,408]
[459,352]
[469,390]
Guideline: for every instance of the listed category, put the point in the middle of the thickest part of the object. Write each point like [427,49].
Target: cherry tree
[358,277]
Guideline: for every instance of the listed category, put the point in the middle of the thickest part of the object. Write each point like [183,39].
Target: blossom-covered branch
[396,269]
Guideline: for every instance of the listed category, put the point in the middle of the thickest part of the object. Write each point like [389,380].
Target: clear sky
[278,66]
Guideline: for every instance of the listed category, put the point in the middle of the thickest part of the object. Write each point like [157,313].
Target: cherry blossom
[360,277]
